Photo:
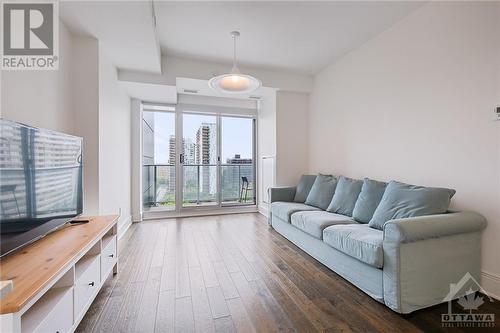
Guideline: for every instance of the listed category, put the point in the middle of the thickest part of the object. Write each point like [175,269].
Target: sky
[236,134]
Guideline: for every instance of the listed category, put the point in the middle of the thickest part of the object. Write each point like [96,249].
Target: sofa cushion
[368,200]
[358,241]
[346,194]
[322,191]
[403,201]
[304,187]
[314,222]
[284,210]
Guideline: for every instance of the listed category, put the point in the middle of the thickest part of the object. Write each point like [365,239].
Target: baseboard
[123,226]
[491,284]
[264,210]
[201,212]
[137,217]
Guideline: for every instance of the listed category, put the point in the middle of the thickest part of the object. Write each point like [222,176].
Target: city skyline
[236,136]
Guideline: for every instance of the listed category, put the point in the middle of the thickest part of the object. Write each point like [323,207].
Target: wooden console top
[35,266]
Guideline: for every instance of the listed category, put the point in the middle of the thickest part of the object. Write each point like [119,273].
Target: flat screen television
[40,183]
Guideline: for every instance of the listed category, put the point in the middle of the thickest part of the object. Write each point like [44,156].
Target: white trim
[123,226]
[491,283]
[264,209]
[199,212]
[216,110]
[136,159]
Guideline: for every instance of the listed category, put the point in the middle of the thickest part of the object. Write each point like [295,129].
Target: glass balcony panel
[158,187]
[237,184]
[199,185]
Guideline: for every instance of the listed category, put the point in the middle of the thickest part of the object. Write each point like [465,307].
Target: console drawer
[88,279]
[108,257]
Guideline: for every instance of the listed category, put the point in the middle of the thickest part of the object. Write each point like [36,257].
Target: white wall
[174,67]
[85,84]
[266,144]
[292,122]
[65,100]
[415,104]
[82,98]
[114,144]
[41,98]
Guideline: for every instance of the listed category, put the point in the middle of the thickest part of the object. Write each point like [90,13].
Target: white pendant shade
[234,82]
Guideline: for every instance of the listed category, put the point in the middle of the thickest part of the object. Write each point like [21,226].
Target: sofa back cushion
[322,191]
[345,196]
[403,201]
[368,200]
[304,187]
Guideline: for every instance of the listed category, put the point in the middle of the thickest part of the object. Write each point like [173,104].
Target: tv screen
[40,176]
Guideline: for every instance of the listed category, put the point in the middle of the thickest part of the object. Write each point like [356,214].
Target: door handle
[181,158]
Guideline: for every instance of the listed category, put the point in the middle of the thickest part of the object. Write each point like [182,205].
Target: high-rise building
[189,148]
[238,160]
[171,150]
[206,148]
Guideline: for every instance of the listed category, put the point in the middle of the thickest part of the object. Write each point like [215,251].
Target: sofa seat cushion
[284,210]
[314,222]
[358,241]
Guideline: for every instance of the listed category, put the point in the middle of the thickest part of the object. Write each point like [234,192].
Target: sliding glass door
[237,165]
[196,160]
[158,158]
[199,160]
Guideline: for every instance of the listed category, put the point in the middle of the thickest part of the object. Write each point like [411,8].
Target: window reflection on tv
[40,176]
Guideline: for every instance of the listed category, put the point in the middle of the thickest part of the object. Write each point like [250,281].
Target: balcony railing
[199,184]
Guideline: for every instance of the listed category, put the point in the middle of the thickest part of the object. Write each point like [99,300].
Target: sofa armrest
[433,226]
[286,193]
[424,255]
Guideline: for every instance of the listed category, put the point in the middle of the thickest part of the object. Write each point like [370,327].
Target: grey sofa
[408,265]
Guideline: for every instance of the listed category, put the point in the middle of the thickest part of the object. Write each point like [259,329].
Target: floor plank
[232,273]
[203,320]
[165,314]
[184,318]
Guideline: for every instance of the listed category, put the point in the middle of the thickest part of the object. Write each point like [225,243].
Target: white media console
[55,279]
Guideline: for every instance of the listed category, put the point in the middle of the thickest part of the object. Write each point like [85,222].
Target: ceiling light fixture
[234,82]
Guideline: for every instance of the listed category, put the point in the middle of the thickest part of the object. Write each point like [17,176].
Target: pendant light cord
[234,50]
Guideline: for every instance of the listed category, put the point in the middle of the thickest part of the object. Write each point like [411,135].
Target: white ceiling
[299,37]
[124,29]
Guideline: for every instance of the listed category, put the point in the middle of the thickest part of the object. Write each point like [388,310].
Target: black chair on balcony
[245,187]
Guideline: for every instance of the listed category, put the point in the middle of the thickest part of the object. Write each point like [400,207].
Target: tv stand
[55,279]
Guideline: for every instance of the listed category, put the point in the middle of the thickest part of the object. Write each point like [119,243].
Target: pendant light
[234,82]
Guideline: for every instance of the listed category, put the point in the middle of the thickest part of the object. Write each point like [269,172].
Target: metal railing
[199,184]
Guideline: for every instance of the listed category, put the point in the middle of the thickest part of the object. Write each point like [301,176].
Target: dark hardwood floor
[232,273]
